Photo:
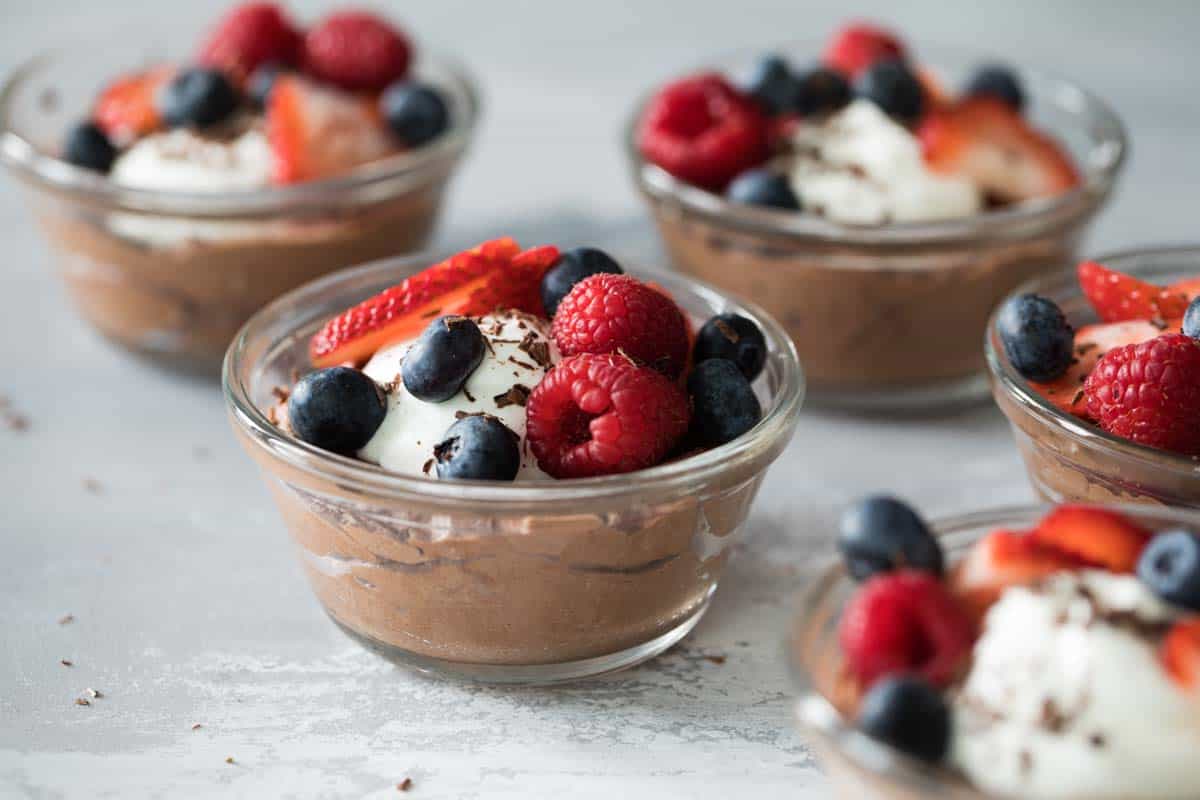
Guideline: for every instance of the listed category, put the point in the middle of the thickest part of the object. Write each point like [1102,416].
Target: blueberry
[1000,82]
[772,85]
[442,359]
[197,97]
[821,91]
[723,404]
[879,534]
[261,82]
[733,338]
[1191,319]
[909,715]
[1036,337]
[1170,565]
[479,447]
[337,409]
[415,113]
[88,147]
[572,267]
[763,187]
[893,87]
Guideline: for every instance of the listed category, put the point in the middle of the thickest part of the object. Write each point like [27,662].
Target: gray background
[188,604]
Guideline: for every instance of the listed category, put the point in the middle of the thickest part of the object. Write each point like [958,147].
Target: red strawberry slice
[1000,560]
[1095,536]
[126,108]
[317,132]
[1189,288]
[990,143]
[1180,653]
[493,275]
[1117,297]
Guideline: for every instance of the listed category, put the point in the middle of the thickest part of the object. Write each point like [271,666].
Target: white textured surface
[189,604]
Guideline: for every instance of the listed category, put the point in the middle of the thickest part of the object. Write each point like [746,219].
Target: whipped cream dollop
[182,160]
[1066,696]
[860,167]
[520,351]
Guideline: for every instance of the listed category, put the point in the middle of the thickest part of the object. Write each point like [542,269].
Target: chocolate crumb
[515,396]
[520,363]
[467,394]
[428,465]
[82,701]
[1053,719]
[66,662]
[1078,397]
[281,393]
[404,785]
[1026,759]
[726,331]
[92,485]
[228,759]
[95,694]
[196,726]
[715,659]
[1097,740]
[15,422]
[66,619]
[461,414]
[536,348]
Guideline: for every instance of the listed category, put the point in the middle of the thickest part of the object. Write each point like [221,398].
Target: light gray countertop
[188,604]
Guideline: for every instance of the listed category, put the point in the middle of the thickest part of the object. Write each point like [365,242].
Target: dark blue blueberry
[821,91]
[1036,337]
[772,85]
[336,409]
[1170,566]
[572,267]
[723,404]
[1191,319]
[733,338]
[479,447]
[908,714]
[1000,82]
[197,97]
[763,187]
[88,147]
[261,82]
[880,534]
[893,87]
[443,357]
[414,112]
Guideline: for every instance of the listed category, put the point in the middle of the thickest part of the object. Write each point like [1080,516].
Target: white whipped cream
[181,160]
[404,442]
[860,167]
[1067,699]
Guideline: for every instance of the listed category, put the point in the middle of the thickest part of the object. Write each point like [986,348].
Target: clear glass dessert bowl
[532,582]
[859,766]
[173,275]
[1069,459]
[890,315]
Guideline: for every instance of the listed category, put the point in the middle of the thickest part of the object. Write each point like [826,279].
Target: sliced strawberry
[990,143]
[1180,653]
[1095,536]
[317,132]
[493,275]
[126,108]
[1000,560]
[1117,297]
[1189,288]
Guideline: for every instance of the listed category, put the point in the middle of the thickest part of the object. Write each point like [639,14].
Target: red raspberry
[704,131]
[905,622]
[356,50]
[1150,393]
[858,46]
[603,415]
[249,36]
[607,313]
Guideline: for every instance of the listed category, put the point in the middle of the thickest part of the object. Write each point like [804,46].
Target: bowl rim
[1106,156]
[777,423]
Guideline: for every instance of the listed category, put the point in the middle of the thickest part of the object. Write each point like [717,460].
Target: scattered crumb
[467,394]
[715,659]
[228,759]
[66,662]
[404,785]
[281,394]
[66,619]
[16,422]
[82,701]
[428,466]
[95,694]
[92,485]
[196,726]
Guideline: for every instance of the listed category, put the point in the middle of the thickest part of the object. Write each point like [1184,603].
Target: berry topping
[999,82]
[1191,319]
[703,131]
[1000,560]
[88,147]
[1036,337]
[763,187]
[607,313]
[858,46]
[602,415]
[1170,566]
[443,358]
[908,714]
[197,98]
[337,409]
[1181,653]
[1117,297]
[1093,536]
[772,85]
[249,36]
[724,405]
[356,50]
[882,534]
[414,112]
[479,447]
[572,267]
[733,338]
[821,91]
[128,107]
[1150,393]
[893,87]
[261,82]
[904,622]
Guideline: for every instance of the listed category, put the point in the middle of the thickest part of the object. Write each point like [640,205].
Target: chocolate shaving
[520,363]
[1097,740]
[281,393]
[428,465]
[15,422]
[404,785]
[470,399]
[66,619]
[82,701]
[66,662]
[536,348]
[515,396]
[1052,719]
[196,726]
[715,659]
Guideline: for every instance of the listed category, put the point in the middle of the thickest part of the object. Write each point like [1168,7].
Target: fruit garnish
[478,447]
[1180,653]
[249,36]
[860,45]
[1036,337]
[356,50]
[908,714]
[999,82]
[1000,560]
[894,88]
[1170,566]
[1117,297]
[127,108]
[1094,536]
[881,534]
[337,409]
[724,405]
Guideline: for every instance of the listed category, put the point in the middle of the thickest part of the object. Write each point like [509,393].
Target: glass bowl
[1071,460]
[890,316]
[534,582]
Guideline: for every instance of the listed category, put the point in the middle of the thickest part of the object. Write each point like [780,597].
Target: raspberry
[905,622]
[249,36]
[607,313]
[858,46]
[1150,393]
[602,415]
[704,131]
[356,50]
